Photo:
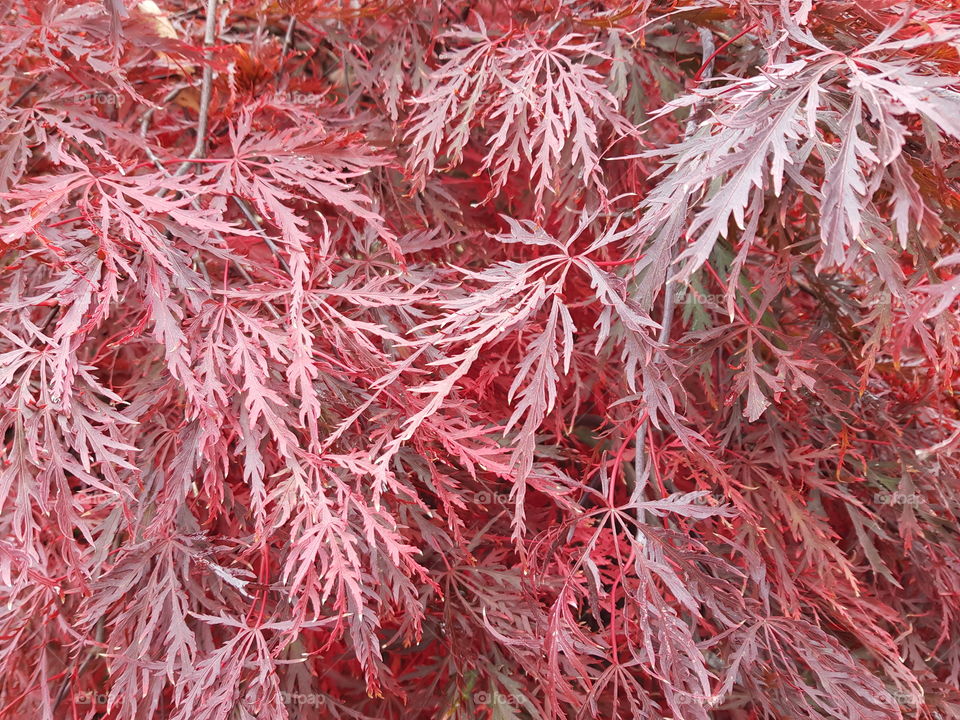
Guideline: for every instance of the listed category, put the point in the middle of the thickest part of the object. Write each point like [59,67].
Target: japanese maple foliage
[480,359]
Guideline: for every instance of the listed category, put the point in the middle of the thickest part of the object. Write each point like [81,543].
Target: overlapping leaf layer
[466,360]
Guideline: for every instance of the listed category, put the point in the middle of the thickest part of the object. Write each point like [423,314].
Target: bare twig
[26,91]
[148,117]
[206,88]
[249,214]
[288,37]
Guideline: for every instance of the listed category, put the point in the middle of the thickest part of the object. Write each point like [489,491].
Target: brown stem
[206,88]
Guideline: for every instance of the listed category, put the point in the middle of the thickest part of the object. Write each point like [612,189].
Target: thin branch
[707,67]
[245,208]
[148,118]
[206,88]
[26,91]
[288,37]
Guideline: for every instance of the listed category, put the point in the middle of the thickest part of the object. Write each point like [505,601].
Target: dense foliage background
[467,360]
